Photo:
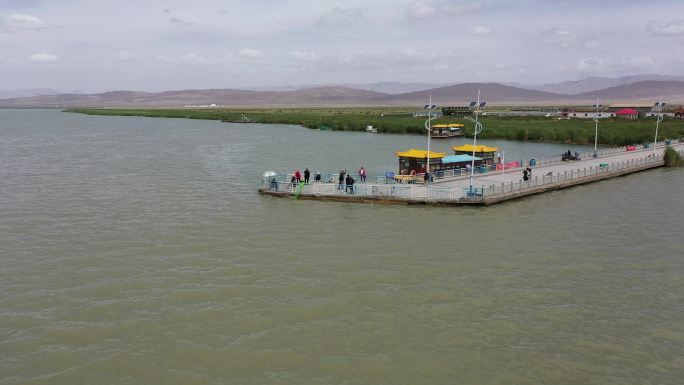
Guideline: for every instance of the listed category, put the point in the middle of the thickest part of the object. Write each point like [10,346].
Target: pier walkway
[490,187]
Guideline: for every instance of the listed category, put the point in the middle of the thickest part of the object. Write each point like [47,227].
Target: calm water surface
[136,251]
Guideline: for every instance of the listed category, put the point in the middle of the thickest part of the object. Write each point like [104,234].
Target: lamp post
[659,118]
[429,108]
[478,129]
[597,105]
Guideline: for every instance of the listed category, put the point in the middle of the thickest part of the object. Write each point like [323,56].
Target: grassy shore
[399,121]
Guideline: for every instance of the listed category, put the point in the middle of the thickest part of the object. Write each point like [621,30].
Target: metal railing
[603,152]
[573,175]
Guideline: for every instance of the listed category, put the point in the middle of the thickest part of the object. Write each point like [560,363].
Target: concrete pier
[488,188]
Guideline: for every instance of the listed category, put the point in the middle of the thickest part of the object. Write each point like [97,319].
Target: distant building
[457,111]
[679,113]
[628,113]
[523,113]
[425,114]
[572,112]
[641,108]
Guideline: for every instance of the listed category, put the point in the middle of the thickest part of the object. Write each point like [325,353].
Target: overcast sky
[157,45]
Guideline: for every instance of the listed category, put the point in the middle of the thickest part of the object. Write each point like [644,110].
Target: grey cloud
[43,58]
[251,54]
[559,37]
[176,20]
[405,60]
[565,38]
[126,57]
[187,58]
[460,7]
[341,16]
[22,22]
[666,29]
[613,65]
[479,30]
[425,9]
[421,10]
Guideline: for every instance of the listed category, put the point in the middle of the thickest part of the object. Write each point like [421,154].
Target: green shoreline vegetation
[672,158]
[612,132]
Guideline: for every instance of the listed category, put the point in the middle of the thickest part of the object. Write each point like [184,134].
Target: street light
[478,129]
[597,106]
[659,118]
[430,108]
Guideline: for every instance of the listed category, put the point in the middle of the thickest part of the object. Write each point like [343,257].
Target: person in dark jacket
[307,174]
[341,180]
[350,184]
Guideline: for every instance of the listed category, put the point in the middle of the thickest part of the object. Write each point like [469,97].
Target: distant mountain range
[598,83]
[458,94]
[384,87]
[27,93]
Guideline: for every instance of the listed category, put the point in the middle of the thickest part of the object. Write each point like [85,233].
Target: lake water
[137,251]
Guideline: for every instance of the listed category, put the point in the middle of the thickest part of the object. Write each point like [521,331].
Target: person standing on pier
[529,173]
[307,174]
[298,176]
[525,178]
[350,184]
[341,180]
[362,174]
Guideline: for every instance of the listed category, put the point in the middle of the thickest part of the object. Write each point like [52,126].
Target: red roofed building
[679,114]
[629,113]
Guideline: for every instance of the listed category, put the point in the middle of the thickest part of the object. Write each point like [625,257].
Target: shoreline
[394,120]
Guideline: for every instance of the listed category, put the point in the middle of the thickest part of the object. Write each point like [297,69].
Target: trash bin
[533,162]
[668,142]
[647,145]
[483,169]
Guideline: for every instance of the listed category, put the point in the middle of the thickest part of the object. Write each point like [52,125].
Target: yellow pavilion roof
[440,125]
[479,148]
[455,125]
[419,154]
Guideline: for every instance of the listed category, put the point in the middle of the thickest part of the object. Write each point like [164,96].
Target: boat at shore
[243,119]
[444,131]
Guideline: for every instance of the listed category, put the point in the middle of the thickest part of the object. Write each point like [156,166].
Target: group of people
[527,174]
[297,177]
[346,182]
[568,155]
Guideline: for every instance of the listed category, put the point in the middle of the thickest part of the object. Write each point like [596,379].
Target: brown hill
[459,94]
[650,91]
[331,95]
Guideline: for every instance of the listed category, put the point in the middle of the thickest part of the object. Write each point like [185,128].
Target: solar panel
[482,104]
[657,104]
[663,104]
[426,106]
[472,104]
[433,106]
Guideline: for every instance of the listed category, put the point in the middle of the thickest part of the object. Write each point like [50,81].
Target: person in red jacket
[362,174]
[298,176]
